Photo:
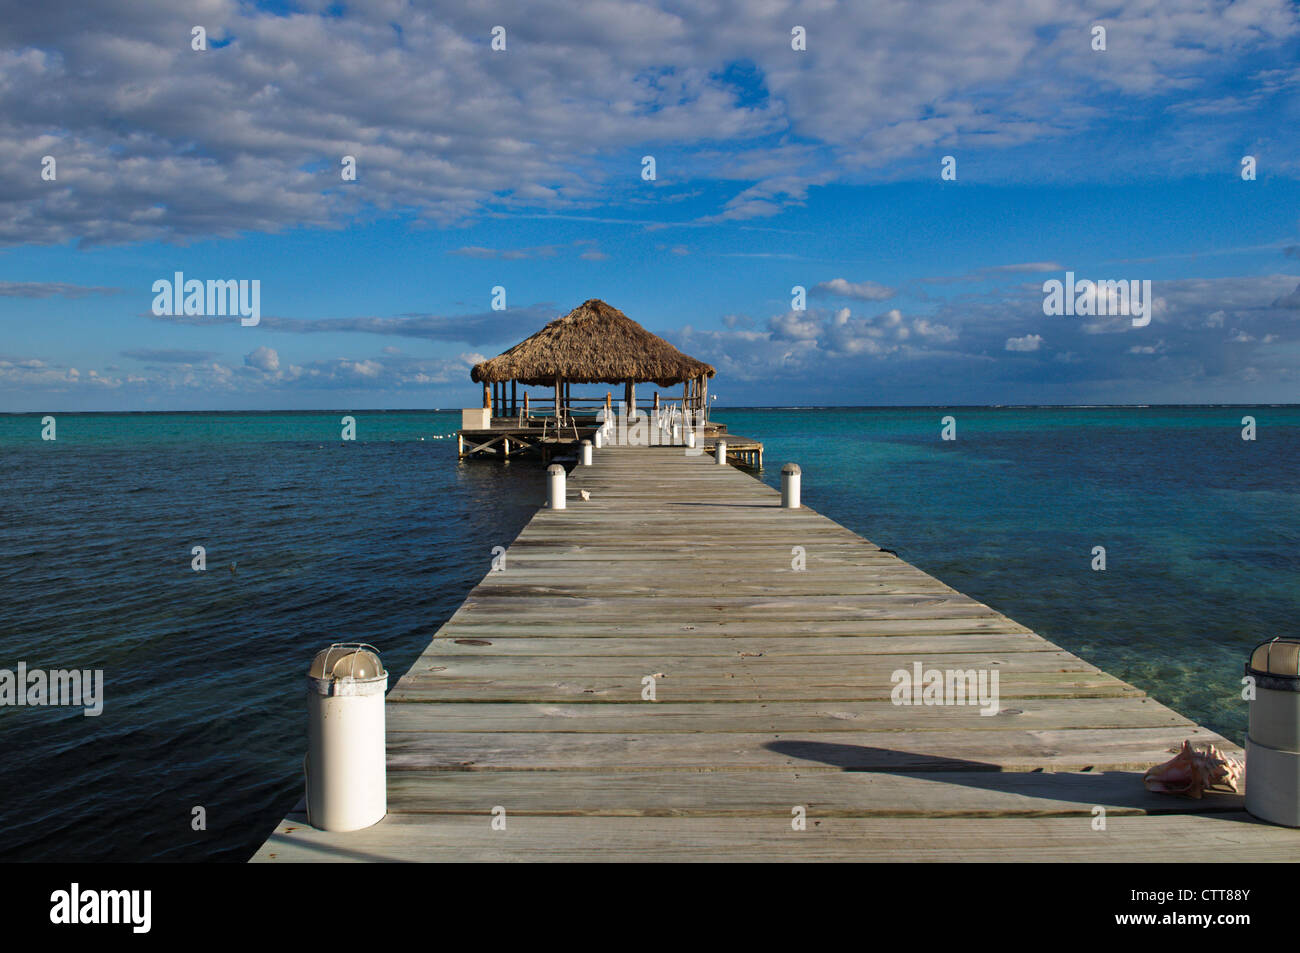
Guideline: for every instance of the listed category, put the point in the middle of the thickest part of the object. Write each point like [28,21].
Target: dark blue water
[377,540]
[380,539]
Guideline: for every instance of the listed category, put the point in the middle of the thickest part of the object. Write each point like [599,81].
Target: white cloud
[507,254]
[795,326]
[264,359]
[1025,267]
[156,141]
[50,289]
[939,333]
[1030,342]
[862,290]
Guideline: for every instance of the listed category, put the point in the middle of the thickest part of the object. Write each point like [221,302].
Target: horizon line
[451,410]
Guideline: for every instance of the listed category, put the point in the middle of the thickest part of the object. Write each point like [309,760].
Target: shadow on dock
[1111,789]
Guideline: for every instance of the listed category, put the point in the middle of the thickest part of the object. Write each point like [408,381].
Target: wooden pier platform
[772,690]
[506,439]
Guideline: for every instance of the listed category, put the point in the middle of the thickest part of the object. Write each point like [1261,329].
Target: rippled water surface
[311,540]
[377,540]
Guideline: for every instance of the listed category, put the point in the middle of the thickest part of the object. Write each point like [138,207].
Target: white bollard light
[345,767]
[599,437]
[790,476]
[721,453]
[1273,739]
[586,453]
[555,481]
[690,438]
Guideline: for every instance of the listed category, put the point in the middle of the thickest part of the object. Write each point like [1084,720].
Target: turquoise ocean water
[381,539]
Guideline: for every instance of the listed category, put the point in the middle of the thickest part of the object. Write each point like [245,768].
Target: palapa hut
[594,343]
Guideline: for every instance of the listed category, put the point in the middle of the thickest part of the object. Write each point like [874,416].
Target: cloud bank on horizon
[775,166]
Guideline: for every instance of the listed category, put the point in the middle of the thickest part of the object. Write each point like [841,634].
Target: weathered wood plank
[508,643]
[1199,838]
[732,628]
[974,749]
[669,668]
[1030,714]
[740,686]
[773,690]
[769,793]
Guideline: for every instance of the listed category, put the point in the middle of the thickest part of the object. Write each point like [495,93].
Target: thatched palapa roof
[594,343]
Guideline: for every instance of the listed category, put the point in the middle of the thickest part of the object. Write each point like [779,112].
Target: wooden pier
[504,438]
[772,701]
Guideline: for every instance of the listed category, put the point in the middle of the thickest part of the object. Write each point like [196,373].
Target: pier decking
[516,438]
[772,690]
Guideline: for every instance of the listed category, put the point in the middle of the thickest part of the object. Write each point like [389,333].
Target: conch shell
[1192,773]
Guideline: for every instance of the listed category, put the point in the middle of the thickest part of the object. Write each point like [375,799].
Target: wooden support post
[514,399]
[487,395]
[526,414]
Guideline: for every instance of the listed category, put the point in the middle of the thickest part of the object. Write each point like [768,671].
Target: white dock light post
[790,476]
[690,438]
[586,453]
[721,453]
[346,777]
[555,483]
[1273,739]
[599,436]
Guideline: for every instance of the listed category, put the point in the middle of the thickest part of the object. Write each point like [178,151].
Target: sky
[524,168]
